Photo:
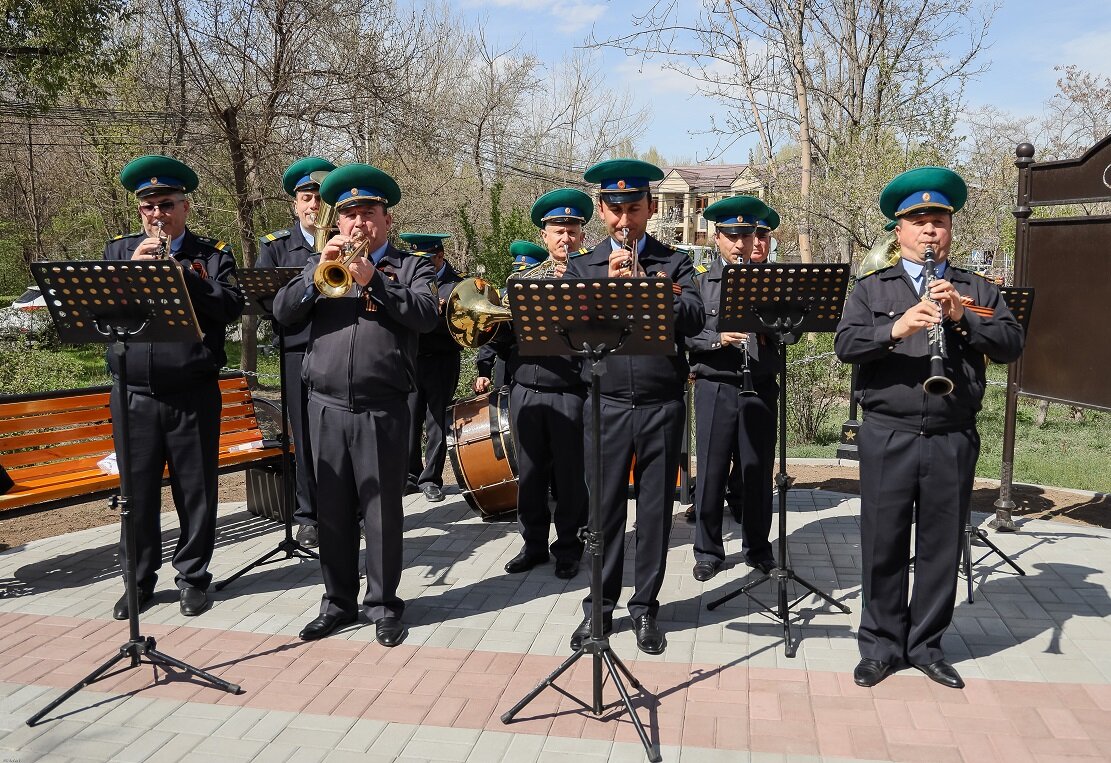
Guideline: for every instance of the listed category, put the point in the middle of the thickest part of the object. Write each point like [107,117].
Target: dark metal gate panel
[1068,348]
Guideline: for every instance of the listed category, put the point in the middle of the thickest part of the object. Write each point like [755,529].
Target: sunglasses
[162,206]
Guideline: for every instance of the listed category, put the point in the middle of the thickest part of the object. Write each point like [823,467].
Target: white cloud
[576,16]
[1089,52]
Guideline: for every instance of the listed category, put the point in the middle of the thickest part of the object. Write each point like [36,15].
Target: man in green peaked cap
[735,400]
[437,376]
[546,397]
[918,446]
[173,395]
[291,247]
[360,367]
[642,409]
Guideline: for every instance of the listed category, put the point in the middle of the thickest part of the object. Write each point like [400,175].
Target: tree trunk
[798,67]
[244,213]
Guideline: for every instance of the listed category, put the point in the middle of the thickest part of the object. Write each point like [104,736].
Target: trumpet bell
[332,279]
[474,312]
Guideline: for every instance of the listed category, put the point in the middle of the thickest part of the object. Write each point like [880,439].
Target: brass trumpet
[163,240]
[332,278]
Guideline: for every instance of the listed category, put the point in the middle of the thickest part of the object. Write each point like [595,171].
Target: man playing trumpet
[918,450]
[359,369]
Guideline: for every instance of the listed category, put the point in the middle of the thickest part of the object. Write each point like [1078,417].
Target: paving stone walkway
[1034,650]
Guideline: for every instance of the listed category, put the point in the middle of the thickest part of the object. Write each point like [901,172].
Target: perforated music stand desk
[1020,301]
[787,300]
[593,318]
[259,286]
[115,303]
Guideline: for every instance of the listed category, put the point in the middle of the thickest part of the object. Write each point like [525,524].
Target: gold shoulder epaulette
[220,245]
[283,233]
[700,269]
[127,235]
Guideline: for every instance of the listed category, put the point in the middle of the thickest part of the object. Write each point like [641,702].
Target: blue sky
[1028,39]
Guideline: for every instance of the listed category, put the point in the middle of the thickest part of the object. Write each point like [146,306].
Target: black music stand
[259,285]
[786,300]
[1020,301]
[593,318]
[115,303]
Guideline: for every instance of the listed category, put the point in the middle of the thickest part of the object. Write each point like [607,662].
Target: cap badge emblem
[567,210]
[621,184]
[926,196]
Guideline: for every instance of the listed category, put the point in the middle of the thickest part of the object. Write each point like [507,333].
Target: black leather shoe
[524,562]
[566,568]
[764,565]
[689,514]
[120,611]
[389,631]
[582,633]
[193,601]
[308,536]
[869,672]
[650,638]
[325,625]
[943,673]
[433,493]
[703,571]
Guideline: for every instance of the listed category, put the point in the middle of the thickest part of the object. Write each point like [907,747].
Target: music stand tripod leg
[967,562]
[597,645]
[137,645]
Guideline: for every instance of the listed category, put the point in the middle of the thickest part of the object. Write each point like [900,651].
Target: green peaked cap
[155,173]
[425,242]
[297,176]
[923,188]
[359,183]
[736,211]
[562,204]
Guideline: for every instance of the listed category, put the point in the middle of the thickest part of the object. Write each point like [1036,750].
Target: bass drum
[482,453]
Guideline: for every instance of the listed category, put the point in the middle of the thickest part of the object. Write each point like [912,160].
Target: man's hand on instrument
[333,250]
[559,269]
[482,385]
[362,270]
[621,265]
[922,315]
[148,249]
[732,337]
[949,298]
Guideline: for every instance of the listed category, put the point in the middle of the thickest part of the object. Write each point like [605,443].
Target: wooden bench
[50,442]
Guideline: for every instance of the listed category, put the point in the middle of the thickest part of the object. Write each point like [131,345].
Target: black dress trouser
[900,471]
[437,376]
[296,395]
[655,434]
[734,429]
[547,433]
[181,429]
[360,475]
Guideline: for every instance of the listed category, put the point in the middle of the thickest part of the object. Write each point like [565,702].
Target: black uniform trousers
[900,471]
[296,394]
[360,475]
[181,429]
[547,430]
[437,376]
[655,434]
[734,429]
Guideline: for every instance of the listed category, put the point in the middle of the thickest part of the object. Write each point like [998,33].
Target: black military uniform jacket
[892,371]
[287,248]
[209,269]
[644,379]
[363,346]
[709,358]
[438,341]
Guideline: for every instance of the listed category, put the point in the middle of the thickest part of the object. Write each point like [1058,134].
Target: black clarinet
[746,372]
[938,383]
